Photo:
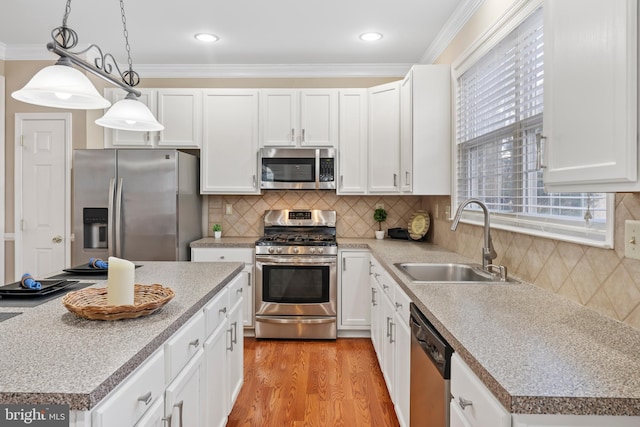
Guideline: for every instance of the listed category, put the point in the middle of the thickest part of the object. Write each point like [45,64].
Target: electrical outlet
[447,212]
[632,239]
[229,209]
[379,205]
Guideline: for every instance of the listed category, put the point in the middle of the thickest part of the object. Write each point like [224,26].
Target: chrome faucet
[488,253]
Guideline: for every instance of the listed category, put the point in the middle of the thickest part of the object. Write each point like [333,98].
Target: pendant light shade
[61,86]
[130,114]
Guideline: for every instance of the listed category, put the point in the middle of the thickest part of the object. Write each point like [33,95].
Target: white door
[42,200]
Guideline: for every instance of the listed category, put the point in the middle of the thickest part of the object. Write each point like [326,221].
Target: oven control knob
[312,250]
[270,250]
[320,250]
[296,249]
[279,250]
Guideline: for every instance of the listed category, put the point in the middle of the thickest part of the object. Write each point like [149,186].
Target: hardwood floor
[312,383]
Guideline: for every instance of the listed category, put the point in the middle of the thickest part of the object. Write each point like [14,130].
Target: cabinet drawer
[237,289]
[125,405]
[222,255]
[402,302]
[215,312]
[482,408]
[184,344]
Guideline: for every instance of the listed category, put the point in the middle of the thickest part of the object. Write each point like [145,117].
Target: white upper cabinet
[229,156]
[298,118]
[384,138]
[352,142]
[590,95]
[425,131]
[179,111]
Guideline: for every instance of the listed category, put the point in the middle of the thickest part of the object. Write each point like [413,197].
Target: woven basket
[91,303]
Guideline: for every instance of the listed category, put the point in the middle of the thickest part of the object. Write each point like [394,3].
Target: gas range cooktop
[298,232]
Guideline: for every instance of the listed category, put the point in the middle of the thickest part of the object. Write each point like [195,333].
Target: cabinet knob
[464,402]
[223,310]
[146,398]
[195,343]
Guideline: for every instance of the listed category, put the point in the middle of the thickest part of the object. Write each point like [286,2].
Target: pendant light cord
[130,77]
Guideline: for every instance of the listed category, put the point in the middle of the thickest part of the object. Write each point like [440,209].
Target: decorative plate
[419,225]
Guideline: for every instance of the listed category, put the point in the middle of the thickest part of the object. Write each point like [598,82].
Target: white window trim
[509,21]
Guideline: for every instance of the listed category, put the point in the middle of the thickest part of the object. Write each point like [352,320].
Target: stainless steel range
[296,275]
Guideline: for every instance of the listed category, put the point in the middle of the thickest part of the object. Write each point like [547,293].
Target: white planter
[217,234]
[379,234]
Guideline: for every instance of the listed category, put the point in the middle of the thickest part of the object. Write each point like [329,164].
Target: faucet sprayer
[488,253]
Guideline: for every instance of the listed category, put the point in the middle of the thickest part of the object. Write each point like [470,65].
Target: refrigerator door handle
[118,219]
[110,236]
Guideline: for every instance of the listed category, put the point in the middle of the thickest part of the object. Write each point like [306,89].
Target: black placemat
[36,301]
[73,276]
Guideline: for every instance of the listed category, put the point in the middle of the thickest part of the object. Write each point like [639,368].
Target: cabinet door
[122,138]
[216,384]
[180,112]
[235,351]
[354,289]
[319,118]
[406,133]
[376,317]
[183,397]
[402,360]
[352,142]
[384,138]
[388,344]
[279,118]
[590,95]
[229,158]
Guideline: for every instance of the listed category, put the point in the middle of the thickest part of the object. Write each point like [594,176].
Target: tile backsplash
[601,279]
[355,213]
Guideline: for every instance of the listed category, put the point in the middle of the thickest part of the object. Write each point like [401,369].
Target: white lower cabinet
[391,337]
[235,351]
[184,404]
[353,288]
[471,401]
[233,255]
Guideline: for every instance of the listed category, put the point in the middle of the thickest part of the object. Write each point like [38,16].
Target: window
[499,108]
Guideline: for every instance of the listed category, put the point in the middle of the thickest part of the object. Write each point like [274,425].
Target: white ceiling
[253,33]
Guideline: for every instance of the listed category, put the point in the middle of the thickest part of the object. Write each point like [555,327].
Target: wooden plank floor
[312,383]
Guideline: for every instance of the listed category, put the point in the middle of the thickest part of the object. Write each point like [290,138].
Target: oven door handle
[296,260]
[298,319]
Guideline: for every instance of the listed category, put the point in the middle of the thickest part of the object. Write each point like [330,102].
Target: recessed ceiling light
[370,37]
[203,37]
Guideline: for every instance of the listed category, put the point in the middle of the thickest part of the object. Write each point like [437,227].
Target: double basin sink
[449,273]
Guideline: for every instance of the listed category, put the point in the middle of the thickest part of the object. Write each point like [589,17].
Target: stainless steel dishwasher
[430,373]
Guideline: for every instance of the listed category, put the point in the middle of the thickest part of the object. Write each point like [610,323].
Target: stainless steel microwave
[298,168]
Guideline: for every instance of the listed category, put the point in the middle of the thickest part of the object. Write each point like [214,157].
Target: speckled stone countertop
[225,242]
[49,355]
[537,352]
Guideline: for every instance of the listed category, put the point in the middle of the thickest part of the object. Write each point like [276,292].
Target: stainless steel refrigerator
[141,205]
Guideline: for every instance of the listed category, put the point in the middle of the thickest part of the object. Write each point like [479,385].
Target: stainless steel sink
[423,272]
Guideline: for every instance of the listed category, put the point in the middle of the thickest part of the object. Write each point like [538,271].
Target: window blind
[499,108]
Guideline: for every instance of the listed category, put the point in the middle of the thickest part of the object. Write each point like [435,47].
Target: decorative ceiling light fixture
[62,86]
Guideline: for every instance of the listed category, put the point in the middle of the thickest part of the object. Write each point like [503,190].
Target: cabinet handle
[230,331]
[302,135]
[293,135]
[179,406]
[344,264]
[221,256]
[385,287]
[195,343]
[234,334]
[539,164]
[463,403]
[146,398]
[254,181]
[373,297]
[406,177]
[238,291]
[370,268]
[398,305]
[388,327]
[341,181]
[391,326]
[223,310]
[167,421]
[395,179]
[249,279]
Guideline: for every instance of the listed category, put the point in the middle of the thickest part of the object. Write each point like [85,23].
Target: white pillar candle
[121,277]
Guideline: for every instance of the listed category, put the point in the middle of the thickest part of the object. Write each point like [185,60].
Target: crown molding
[451,28]
[271,70]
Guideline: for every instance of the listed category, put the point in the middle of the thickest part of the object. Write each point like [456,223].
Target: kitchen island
[51,356]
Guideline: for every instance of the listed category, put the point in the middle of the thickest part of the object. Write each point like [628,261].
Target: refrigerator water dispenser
[95,227]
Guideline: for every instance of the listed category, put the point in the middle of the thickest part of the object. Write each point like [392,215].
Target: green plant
[216,227]
[380,215]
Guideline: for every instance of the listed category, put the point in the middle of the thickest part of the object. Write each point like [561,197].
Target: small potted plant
[380,215]
[217,230]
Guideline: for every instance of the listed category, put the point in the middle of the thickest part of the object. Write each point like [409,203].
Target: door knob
[57,239]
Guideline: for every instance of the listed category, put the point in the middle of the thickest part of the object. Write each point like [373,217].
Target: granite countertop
[537,352]
[226,242]
[50,355]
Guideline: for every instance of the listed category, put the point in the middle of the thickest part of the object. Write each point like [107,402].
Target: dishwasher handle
[430,341]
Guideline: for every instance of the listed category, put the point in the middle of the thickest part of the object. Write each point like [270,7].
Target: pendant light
[63,86]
